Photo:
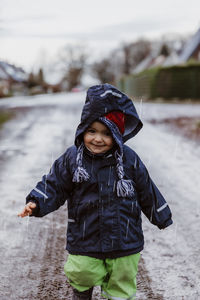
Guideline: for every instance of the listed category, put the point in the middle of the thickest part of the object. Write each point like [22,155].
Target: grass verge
[5,116]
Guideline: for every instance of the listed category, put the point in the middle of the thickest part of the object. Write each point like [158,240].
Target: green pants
[117,277]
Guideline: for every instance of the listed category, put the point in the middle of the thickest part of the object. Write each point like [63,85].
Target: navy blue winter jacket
[100,223]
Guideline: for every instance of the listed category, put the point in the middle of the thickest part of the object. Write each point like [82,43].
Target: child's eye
[91,130]
[107,133]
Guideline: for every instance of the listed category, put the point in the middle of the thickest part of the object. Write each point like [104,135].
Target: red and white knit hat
[118,118]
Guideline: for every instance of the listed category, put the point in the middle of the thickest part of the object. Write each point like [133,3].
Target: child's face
[97,138]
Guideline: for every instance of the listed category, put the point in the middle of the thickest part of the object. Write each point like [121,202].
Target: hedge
[181,82]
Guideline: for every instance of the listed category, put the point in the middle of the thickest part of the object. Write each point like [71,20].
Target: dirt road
[32,251]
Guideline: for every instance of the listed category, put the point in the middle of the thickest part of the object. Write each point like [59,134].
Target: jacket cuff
[166,224]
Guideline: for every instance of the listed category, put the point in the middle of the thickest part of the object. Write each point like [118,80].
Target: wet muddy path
[32,251]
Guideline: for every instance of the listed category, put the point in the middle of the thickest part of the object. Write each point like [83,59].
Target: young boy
[106,185]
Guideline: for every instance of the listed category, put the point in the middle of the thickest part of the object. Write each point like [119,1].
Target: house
[4,82]
[191,49]
[157,57]
[12,79]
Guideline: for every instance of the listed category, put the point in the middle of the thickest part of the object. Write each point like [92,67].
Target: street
[32,250]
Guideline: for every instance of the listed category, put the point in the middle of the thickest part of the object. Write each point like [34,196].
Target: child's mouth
[98,146]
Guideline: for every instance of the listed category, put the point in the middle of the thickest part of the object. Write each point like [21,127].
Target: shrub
[181,82]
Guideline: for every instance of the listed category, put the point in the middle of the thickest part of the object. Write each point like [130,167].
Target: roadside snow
[171,256]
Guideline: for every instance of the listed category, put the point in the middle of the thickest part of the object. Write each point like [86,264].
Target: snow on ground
[28,146]
[171,256]
[62,99]
[40,129]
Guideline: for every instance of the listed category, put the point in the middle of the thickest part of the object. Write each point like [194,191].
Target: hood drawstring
[124,186]
[80,173]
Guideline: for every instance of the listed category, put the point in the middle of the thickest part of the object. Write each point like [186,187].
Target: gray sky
[32,32]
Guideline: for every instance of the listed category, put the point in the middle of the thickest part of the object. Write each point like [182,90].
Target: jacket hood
[102,99]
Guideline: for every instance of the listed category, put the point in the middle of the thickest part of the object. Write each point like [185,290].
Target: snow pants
[117,277]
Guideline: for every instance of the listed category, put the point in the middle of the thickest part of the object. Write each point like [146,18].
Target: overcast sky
[32,31]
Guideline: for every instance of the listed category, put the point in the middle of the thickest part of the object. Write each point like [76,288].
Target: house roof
[171,60]
[3,74]
[144,64]
[154,59]
[190,47]
[8,71]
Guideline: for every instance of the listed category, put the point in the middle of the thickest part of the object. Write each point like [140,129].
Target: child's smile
[98,138]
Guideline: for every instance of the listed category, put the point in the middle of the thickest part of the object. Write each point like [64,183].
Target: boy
[106,185]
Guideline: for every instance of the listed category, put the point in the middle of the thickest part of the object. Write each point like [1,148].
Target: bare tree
[134,53]
[121,61]
[109,68]
[72,61]
[103,71]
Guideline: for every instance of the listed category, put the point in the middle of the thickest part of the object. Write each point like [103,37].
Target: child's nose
[98,137]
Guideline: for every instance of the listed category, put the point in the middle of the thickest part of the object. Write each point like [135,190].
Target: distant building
[154,59]
[12,79]
[191,50]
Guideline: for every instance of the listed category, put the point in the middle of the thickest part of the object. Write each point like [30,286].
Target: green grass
[198,124]
[4,117]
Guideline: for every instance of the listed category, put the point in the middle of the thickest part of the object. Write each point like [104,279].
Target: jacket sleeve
[152,202]
[54,188]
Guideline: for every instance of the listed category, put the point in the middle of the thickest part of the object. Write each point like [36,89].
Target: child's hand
[28,209]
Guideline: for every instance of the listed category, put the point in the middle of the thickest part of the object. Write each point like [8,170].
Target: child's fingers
[32,205]
[23,214]
[27,210]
